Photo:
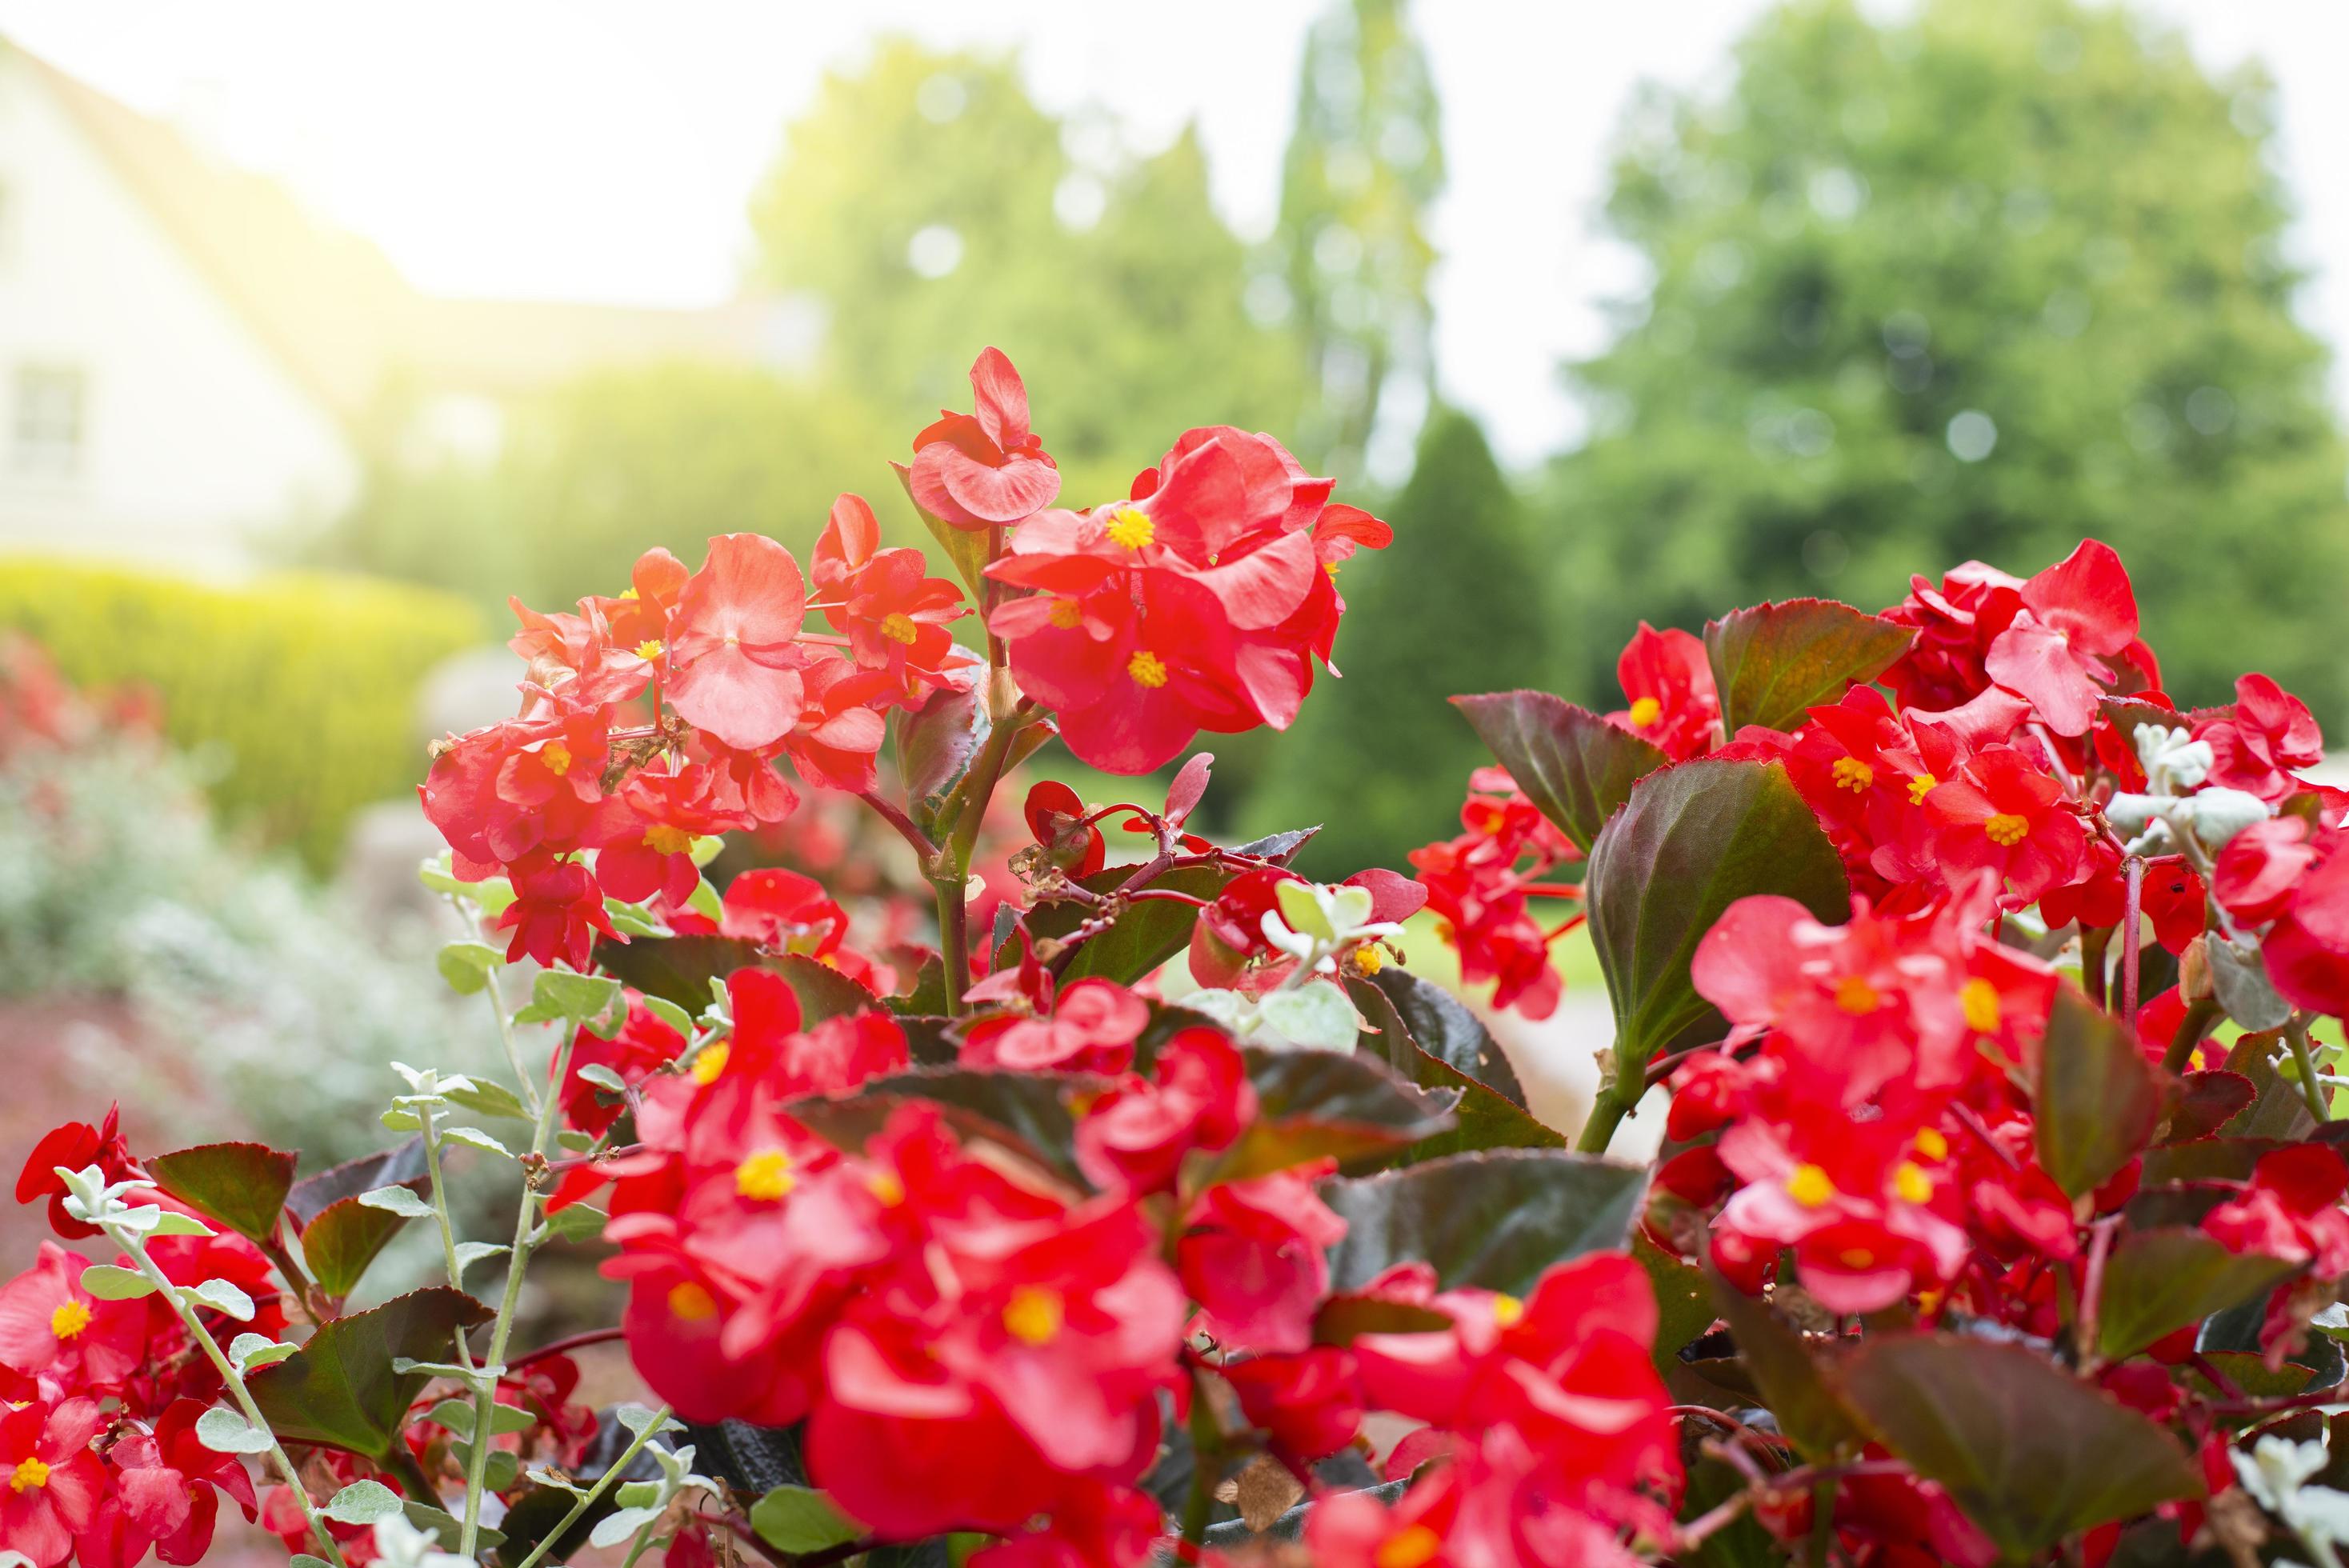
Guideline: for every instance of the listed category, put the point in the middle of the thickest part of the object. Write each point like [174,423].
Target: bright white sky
[603,149]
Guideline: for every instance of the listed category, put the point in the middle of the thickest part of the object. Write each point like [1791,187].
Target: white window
[51,419]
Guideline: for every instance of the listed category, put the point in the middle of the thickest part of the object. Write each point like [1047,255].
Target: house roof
[332,307]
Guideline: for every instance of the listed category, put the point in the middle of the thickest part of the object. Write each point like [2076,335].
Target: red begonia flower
[1667,680]
[733,656]
[52,1481]
[977,471]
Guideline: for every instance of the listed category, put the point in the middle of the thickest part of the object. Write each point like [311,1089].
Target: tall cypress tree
[1451,606]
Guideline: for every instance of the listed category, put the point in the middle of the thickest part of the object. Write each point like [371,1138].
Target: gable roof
[331,306]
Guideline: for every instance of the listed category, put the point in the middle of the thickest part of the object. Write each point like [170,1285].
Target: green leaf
[1314,1105]
[251,1350]
[560,993]
[466,965]
[107,1282]
[220,1297]
[1314,1017]
[1439,1024]
[936,744]
[1030,1113]
[1694,840]
[680,969]
[486,1097]
[798,1519]
[1773,661]
[397,1201]
[1785,1374]
[2098,1099]
[966,547]
[577,1222]
[1497,1219]
[1342,1319]
[1684,1301]
[1145,935]
[241,1185]
[1572,764]
[2158,1282]
[1482,1119]
[226,1432]
[341,1235]
[341,1389]
[2029,1453]
[363,1503]
[457,1415]
[472,1137]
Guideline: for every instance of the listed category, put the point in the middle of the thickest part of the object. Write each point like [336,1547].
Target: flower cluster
[97,1445]
[1200,602]
[1480,886]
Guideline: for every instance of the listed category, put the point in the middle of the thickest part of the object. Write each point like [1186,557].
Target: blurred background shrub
[295,694]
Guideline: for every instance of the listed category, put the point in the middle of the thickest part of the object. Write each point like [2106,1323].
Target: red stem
[904,826]
[565,1345]
[2129,940]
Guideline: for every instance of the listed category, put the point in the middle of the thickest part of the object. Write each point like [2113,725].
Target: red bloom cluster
[1479,884]
[1201,602]
[1551,1399]
[1876,1132]
[656,719]
[99,1457]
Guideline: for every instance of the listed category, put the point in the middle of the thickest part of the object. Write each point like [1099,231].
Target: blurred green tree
[1365,160]
[1973,285]
[1380,757]
[593,472]
[933,209]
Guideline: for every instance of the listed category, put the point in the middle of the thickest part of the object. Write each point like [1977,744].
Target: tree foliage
[927,202]
[1365,160]
[1977,284]
[1460,542]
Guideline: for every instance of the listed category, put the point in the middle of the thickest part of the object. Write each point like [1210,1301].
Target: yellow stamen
[898,627]
[691,1303]
[1811,1187]
[1857,1258]
[765,1177]
[70,1319]
[29,1473]
[711,1062]
[1369,960]
[1855,996]
[1851,773]
[1509,1311]
[649,649]
[1911,1184]
[1979,1000]
[1931,1144]
[888,1186]
[1413,1546]
[1034,1316]
[1147,669]
[1132,527]
[1645,712]
[557,756]
[664,840]
[1919,787]
[2006,829]
[1066,613]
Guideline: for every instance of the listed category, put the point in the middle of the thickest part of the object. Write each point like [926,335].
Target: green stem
[2191,1028]
[506,1039]
[954,940]
[2310,1090]
[493,1363]
[1206,1453]
[1607,1113]
[441,1208]
[2095,940]
[586,1500]
[134,1244]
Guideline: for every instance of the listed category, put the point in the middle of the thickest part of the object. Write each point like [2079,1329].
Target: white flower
[2173,757]
[399,1544]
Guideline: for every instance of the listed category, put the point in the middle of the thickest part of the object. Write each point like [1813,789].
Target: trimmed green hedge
[303,686]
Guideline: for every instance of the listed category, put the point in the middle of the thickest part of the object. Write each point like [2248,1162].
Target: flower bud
[2194,971]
